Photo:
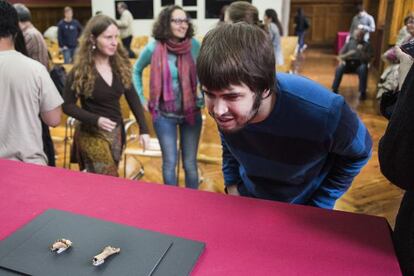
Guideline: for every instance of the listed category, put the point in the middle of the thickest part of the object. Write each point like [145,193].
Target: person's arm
[345,49]
[138,111]
[52,117]
[371,25]
[366,53]
[136,108]
[195,51]
[143,61]
[350,151]
[396,147]
[60,35]
[49,99]
[124,21]
[70,108]
[230,168]
[354,25]
[79,28]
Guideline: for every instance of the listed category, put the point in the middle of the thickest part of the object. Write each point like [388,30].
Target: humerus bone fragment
[107,251]
[60,245]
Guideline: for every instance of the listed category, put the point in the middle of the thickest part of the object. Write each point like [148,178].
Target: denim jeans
[166,129]
[361,70]
[68,55]
[301,39]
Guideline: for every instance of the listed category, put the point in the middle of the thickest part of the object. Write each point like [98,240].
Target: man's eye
[231,97]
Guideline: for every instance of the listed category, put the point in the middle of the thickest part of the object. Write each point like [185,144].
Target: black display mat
[143,252]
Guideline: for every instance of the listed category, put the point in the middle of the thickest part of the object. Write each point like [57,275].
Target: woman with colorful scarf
[101,74]
[174,102]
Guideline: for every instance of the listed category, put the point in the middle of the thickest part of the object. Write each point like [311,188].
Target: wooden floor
[370,193]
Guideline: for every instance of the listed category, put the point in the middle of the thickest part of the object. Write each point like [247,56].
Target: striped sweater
[307,151]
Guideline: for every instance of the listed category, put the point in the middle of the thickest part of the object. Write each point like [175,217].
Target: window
[167,2]
[189,2]
[213,7]
[140,9]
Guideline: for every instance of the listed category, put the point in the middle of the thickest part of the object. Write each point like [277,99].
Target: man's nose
[220,107]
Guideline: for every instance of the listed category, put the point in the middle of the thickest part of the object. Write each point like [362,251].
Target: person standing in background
[174,100]
[125,26]
[301,26]
[101,74]
[364,21]
[274,27]
[35,43]
[69,30]
[222,15]
[36,49]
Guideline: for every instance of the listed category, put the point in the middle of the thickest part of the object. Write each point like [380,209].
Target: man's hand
[406,61]
[232,190]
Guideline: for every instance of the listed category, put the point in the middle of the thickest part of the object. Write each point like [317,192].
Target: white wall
[144,27]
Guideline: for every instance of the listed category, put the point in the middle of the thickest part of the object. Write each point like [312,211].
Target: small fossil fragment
[106,252]
[60,245]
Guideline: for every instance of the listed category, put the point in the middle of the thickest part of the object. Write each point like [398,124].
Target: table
[340,41]
[243,236]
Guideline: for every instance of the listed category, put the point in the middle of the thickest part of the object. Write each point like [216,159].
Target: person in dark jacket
[396,158]
[301,26]
[69,30]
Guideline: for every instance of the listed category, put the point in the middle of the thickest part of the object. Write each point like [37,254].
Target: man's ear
[266,93]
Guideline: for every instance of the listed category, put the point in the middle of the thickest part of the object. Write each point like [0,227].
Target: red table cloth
[243,236]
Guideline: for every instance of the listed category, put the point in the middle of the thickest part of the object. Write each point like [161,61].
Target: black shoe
[362,97]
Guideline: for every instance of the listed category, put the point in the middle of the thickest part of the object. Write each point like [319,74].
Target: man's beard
[252,114]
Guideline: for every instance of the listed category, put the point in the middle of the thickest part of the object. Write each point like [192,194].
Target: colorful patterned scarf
[161,80]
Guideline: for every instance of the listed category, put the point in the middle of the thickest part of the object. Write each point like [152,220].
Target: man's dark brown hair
[235,54]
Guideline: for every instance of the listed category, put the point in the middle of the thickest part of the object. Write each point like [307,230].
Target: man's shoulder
[306,91]
[127,14]
[23,65]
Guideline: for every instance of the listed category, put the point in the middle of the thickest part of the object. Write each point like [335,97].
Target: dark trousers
[127,44]
[48,148]
[361,70]
[403,235]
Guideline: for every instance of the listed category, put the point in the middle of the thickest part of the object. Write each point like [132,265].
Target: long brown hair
[84,71]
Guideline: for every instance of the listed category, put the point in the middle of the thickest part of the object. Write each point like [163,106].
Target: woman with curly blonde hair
[101,74]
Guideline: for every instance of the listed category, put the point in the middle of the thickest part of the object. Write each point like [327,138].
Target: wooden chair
[53,48]
[138,42]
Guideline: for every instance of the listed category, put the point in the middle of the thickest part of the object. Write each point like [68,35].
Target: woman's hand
[145,106]
[106,124]
[406,62]
[144,140]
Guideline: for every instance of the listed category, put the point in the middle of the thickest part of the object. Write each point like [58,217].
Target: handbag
[388,102]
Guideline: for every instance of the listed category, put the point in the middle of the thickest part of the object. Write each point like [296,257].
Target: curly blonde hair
[84,71]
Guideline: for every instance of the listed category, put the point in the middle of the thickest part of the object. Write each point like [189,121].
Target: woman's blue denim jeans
[166,129]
